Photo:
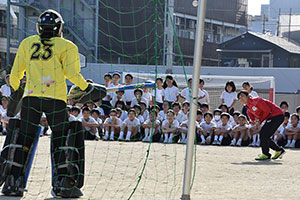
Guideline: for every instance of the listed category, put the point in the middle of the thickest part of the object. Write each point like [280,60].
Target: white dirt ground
[113,168]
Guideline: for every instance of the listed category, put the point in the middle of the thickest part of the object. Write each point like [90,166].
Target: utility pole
[8,26]
[170,38]
[96,31]
[264,24]
[165,29]
[278,24]
[290,19]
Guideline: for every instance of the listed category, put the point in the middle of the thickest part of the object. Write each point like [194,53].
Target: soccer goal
[215,84]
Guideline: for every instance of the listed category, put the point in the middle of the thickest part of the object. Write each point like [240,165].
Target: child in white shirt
[158,92]
[89,124]
[144,111]
[169,126]
[229,96]
[96,115]
[163,113]
[112,125]
[170,92]
[205,99]
[223,130]
[129,94]
[240,132]
[217,117]
[187,92]
[138,93]
[208,128]
[120,107]
[179,116]
[279,134]
[147,95]
[292,131]
[151,127]
[138,111]
[130,127]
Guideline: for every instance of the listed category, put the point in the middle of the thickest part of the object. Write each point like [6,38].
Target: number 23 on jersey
[43,52]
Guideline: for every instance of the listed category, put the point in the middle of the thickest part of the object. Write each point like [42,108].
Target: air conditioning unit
[219,30]
[177,21]
[192,24]
[192,35]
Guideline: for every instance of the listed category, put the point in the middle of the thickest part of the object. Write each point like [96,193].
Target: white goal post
[215,82]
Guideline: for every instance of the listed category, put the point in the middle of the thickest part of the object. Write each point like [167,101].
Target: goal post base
[185,197]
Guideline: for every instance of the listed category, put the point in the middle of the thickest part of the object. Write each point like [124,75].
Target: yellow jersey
[47,67]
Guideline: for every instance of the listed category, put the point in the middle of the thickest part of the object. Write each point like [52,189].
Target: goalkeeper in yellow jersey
[48,60]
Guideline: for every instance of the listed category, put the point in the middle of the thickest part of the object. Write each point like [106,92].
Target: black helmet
[49,24]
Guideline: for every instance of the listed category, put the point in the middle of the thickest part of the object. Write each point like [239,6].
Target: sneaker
[105,137]
[215,142]
[287,145]
[232,143]
[219,143]
[166,141]
[239,143]
[278,154]
[127,139]
[12,187]
[208,140]
[257,144]
[121,138]
[252,144]
[146,139]
[292,145]
[97,138]
[111,139]
[70,193]
[182,141]
[202,143]
[262,157]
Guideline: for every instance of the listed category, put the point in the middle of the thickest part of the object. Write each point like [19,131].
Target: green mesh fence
[129,32]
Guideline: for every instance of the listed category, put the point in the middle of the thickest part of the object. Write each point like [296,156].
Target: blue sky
[254,6]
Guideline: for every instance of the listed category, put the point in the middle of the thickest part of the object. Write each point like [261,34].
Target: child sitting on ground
[75,111]
[89,124]
[223,131]
[292,131]
[163,113]
[279,134]
[240,132]
[130,126]
[151,127]
[169,127]
[217,117]
[112,125]
[96,115]
[208,128]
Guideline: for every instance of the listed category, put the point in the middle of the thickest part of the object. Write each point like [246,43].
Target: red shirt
[262,109]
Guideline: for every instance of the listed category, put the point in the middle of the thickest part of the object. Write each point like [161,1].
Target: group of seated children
[137,115]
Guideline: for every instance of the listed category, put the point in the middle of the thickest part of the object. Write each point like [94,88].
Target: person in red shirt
[259,110]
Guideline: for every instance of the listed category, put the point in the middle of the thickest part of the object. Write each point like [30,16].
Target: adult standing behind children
[259,110]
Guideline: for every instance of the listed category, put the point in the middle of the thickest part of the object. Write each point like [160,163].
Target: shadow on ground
[258,163]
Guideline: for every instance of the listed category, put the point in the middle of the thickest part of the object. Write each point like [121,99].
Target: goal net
[127,32]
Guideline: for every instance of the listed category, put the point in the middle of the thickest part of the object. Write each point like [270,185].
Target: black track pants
[267,131]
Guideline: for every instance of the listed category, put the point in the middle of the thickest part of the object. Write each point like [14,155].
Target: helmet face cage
[49,24]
